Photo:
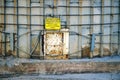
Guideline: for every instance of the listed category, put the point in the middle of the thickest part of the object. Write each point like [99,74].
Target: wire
[31,52]
[37,42]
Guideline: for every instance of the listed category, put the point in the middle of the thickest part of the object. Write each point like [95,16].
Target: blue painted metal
[12,41]
[92,42]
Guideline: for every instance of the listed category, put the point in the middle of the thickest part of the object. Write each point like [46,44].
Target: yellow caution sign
[52,24]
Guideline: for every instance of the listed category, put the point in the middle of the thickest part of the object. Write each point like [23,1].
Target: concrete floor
[83,76]
[112,67]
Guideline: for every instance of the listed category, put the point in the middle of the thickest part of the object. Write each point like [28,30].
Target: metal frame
[61,6]
[17,29]
[91,28]
[101,27]
[30,28]
[111,27]
[80,29]
[119,31]
[4,36]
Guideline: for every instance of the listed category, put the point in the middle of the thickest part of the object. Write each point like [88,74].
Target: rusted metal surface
[86,52]
[56,43]
[53,44]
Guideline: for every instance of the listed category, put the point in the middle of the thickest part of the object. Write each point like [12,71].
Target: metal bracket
[12,41]
[92,42]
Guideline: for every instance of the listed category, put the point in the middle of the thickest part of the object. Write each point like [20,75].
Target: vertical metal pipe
[43,27]
[14,19]
[54,9]
[119,31]
[111,27]
[80,29]
[30,29]
[17,29]
[91,22]
[43,12]
[68,17]
[41,53]
[4,36]
[91,17]
[68,12]
[101,27]
[2,18]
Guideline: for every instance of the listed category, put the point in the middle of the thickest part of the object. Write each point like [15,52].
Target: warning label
[52,24]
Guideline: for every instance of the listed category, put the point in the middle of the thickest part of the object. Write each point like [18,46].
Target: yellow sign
[52,24]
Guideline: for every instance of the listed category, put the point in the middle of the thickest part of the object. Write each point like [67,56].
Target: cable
[75,33]
[37,42]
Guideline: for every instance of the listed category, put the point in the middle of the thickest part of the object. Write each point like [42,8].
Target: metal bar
[119,31]
[44,11]
[92,43]
[68,12]
[4,36]
[111,27]
[62,25]
[106,43]
[43,28]
[17,29]
[91,29]
[41,52]
[29,22]
[2,20]
[101,27]
[54,9]
[12,41]
[91,17]
[30,27]
[80,29]
[58,15]
[61,6]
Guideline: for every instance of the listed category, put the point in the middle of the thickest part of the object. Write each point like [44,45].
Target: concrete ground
[82,76]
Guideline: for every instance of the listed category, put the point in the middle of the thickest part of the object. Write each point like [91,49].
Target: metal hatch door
[56,45]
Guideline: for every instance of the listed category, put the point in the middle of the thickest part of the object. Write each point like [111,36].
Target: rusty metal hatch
[54,43]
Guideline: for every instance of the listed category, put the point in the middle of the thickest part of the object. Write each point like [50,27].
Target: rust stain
[106,52]
[0,51]
[96,52]
[86,52]
[81,1]
[58,57]
[54,45]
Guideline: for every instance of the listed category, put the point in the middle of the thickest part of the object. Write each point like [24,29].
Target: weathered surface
[66,67]
[86,76]
[106,68]
[60,67]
